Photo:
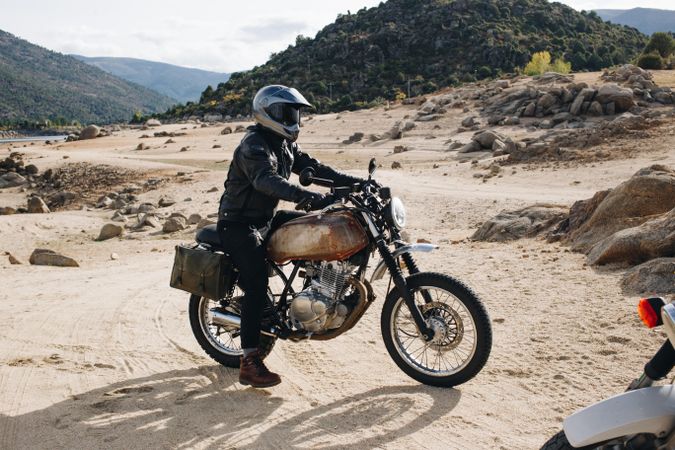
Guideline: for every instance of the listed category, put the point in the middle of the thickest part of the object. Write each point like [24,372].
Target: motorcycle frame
[388,262]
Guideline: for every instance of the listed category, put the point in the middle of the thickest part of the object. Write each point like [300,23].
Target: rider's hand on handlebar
[315,201]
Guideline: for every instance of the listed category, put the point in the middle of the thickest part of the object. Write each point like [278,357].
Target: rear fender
[381,268]
[649,410]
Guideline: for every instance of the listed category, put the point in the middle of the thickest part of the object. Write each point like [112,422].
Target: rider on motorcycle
[256,181]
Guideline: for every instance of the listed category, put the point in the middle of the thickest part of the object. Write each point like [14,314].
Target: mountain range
[373,55]
[647,20]
[38,84]
[181,83]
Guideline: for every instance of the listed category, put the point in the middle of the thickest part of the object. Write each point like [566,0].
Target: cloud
[273,29]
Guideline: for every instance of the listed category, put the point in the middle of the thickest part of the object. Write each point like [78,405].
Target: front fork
[402,286]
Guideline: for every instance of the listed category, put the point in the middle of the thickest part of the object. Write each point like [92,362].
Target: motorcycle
[434,327]
[641,418]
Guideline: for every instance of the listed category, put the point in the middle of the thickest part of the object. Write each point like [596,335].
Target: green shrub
[541,62]
[650,61]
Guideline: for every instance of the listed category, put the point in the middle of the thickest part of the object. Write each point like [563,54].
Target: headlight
[396,213]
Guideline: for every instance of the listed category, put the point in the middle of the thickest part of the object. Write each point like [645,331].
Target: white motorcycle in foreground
[641,418]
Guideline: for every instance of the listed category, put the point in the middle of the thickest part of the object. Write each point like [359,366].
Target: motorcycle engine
[320,307]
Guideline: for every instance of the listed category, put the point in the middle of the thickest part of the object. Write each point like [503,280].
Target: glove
[315,201]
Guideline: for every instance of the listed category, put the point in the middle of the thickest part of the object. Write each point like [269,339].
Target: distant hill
[366,58]
[181,83]
[38,84]
[647,20]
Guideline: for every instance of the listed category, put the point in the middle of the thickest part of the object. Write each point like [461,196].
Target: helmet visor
[284,113]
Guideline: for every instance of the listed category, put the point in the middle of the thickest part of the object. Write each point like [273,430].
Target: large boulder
[487,137]
[90,132]
[37,206]
[526,222]
[11,179]
[174,224]
[648,193]
[652,239]
[655,277]
[45,257]
[613,93]
[153,123]
[109,231]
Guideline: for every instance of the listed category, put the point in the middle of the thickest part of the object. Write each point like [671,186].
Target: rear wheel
[558,442]
[462,332]
[221,343]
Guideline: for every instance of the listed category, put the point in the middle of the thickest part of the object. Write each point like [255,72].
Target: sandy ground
[102,356]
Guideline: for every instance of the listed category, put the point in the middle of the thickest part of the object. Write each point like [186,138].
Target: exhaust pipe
[224,319]
[230,320]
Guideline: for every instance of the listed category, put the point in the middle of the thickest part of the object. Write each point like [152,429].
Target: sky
[217,35]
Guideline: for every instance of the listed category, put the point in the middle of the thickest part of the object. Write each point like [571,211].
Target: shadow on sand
[198,407]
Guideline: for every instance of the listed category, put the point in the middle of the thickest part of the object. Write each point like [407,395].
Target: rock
[45,257]
[13,260]
[147,220]
[226,130]
[655,277]
[240,129]
[37,206]
[213,189]
[90,132]
[31,169]
[487,137]
[153,123]
[526,222]
[174,224]
[166,201]
[11,179]
[468,122]
[170,141]
[561,117]
[546,101]
[194,219]
[648,193]
[142,146]
[595,109]
[530,109]
[502,84]
[610,109]
[613,93]
[204,222]
[495,120]
[146,208]
[472,146]
[545,124]
[213,117]
[356,137]
[109,231]
[184,149]
[374,137]
[584,95]
[114,256]
[119,217]
[512,120]
[499,146]
[61,198]
[653,239]
[7,211]
[455,145]
[664,97]
[396,165]
[400,149]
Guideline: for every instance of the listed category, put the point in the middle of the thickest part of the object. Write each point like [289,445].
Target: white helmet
[277,108]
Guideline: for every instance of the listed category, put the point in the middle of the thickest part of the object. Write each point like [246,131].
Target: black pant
[246,245]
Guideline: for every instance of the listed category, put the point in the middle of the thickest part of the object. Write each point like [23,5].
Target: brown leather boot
[252,371]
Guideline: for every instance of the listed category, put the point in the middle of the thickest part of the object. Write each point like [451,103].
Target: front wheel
[462,332]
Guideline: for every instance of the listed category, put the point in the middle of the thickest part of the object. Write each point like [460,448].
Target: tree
[538,64]
[662,43]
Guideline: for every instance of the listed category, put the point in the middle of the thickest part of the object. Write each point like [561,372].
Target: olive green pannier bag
[202,272]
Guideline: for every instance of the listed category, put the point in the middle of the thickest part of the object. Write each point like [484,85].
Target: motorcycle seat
[209,235]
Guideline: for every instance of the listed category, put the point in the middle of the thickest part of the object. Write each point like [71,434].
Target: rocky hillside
[38,84]
[181,83]
[378,53]
[647,20]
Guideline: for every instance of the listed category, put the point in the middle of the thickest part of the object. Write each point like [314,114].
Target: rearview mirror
[306,176]
[372,166]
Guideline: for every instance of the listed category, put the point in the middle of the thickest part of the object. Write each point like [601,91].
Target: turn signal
[649,309]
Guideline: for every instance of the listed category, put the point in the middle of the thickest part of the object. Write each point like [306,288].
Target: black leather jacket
[257,179]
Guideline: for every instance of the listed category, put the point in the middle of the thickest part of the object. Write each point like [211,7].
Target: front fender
[381,268]
[648,410]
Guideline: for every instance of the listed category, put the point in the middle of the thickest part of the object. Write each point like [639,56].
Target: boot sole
[266,385]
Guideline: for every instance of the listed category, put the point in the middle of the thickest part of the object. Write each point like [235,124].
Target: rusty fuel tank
[314,237]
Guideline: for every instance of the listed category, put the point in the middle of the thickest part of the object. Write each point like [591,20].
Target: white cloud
[212,35]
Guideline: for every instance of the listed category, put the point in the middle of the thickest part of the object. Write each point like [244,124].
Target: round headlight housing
[396,213]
